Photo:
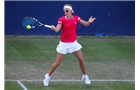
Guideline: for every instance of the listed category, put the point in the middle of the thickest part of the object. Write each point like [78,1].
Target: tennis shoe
[86,79]
[46,80]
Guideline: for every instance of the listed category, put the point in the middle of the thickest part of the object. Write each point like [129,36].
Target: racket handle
[48,26]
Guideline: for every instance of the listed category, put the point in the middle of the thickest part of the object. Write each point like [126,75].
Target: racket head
[33,22]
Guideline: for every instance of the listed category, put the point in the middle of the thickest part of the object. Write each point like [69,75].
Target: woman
[68,42]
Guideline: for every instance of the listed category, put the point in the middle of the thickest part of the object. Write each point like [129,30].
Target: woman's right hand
[52,27]
[57,28]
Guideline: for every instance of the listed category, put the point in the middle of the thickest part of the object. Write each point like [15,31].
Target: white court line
[22,85]
[72,80]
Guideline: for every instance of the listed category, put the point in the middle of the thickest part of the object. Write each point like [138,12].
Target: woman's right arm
[57,28]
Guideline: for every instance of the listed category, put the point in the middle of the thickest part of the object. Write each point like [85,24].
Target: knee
[81,62]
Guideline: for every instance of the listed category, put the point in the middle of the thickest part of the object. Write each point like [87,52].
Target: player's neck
[69,16]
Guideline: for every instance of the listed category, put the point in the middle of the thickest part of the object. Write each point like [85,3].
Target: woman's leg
[58,61]
[80,58]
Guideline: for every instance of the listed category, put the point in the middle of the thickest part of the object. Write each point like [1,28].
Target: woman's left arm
[87,23]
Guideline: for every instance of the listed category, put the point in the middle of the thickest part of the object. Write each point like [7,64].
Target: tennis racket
[33,22]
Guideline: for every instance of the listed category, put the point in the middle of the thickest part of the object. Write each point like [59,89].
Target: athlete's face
[67,12]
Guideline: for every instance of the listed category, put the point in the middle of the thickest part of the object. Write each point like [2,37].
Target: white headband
[69,7]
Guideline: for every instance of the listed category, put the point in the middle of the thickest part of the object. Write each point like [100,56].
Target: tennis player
[68,42]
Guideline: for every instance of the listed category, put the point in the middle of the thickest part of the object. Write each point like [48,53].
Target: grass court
[110,63]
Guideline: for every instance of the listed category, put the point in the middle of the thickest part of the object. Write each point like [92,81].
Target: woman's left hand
[91,19]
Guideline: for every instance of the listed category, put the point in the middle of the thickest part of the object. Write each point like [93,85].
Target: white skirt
[69,47]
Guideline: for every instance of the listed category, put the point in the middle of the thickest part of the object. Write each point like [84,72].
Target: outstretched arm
[87,23]
[57,28]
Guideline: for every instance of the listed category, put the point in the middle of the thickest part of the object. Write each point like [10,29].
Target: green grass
[12,86]
[72,86]
[105,57]
[81,86]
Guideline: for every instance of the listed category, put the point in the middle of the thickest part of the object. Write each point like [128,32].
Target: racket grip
[48,26]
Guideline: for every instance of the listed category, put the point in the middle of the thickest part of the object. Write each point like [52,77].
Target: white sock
[47,76]
[85,75]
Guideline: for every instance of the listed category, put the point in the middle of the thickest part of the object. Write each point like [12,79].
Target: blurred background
[114,18]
